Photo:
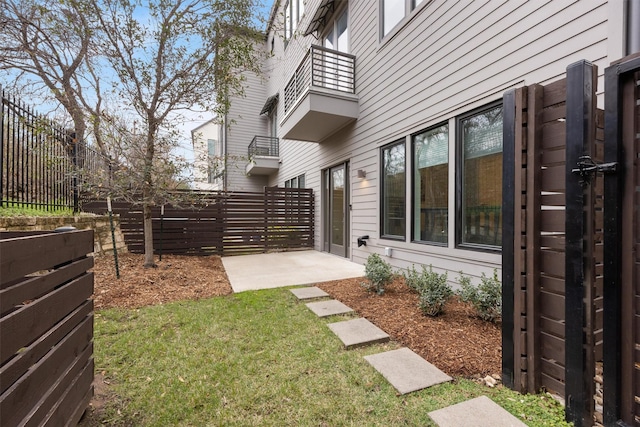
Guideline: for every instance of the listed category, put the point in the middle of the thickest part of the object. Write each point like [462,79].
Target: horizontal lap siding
[449,58]
[243,123]
[46,328]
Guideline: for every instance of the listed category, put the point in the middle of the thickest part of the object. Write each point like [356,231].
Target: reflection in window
[337,203]
[482,177]
[393,11]
[292,15]
[393,191]
[431,185]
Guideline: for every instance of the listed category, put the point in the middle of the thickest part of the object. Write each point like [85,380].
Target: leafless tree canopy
[155,58]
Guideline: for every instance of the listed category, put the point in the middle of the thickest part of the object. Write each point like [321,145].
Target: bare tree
[46,46]
[169,56]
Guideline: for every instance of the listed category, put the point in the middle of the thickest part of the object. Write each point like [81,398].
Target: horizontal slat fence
[46,327]
[223,223]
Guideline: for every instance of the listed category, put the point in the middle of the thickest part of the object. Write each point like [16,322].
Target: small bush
[433,289]
[412,278]
[486,298]
[467,292]
[378,273]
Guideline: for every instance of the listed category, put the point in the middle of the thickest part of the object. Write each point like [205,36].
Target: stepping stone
[309,292]
[328,308]
[358,332]
[406,371]
[478,412]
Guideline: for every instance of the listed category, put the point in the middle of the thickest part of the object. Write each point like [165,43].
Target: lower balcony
[264,156]
[320,98]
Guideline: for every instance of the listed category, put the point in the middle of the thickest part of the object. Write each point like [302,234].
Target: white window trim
[409,15]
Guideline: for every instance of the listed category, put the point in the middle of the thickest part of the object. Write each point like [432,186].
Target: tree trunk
[147,200]
[149,261]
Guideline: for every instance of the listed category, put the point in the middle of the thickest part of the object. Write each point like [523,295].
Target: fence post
[580,137]
[74,141]
[508,238]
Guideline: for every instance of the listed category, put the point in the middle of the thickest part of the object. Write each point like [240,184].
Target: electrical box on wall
[387,252]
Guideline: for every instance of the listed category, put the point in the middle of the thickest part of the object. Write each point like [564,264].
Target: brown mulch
[456,342]
[176,278]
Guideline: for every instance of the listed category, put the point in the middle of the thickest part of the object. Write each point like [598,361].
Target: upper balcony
[264,156]
[320,98]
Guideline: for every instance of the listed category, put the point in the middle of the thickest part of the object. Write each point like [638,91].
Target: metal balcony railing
[264,146]
[324,68]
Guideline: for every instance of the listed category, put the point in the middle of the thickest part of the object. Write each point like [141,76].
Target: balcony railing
[323,68]
[264,146]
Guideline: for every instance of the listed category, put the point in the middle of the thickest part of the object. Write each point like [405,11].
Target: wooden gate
[552,289]
[622,245]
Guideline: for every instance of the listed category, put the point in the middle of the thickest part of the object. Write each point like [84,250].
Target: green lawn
[262,358]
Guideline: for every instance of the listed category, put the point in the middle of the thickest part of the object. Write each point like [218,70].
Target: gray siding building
[390,110]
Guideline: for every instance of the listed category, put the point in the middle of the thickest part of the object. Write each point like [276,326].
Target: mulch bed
[456,342]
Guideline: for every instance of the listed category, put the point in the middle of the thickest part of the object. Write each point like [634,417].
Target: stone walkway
[405,370]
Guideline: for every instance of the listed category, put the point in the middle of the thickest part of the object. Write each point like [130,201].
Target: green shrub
[486,298]
[433,289]
[412,278]
[378,273]
[467,292]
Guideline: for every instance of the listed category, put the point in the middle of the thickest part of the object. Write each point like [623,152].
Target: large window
[393,11]
[431,185]
[480,173]
[472,207]
[292,14]
[393,191]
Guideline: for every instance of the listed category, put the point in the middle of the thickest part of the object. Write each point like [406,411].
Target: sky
[193,119]
[190,121]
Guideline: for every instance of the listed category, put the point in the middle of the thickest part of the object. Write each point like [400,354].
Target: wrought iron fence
[42,164]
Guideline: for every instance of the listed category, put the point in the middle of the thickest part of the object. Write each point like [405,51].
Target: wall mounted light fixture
[362,240]
[362,173]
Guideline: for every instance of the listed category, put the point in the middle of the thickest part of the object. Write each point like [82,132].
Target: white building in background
[208,163]
[391,111]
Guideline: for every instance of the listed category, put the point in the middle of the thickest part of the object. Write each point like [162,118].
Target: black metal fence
[40,160]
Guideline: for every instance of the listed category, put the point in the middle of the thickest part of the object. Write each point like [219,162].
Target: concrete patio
[274,270]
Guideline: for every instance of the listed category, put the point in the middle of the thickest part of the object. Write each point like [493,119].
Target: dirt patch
[456,342]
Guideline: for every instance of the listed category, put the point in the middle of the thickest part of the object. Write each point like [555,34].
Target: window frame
[403,143]
[459,181]
[299,180]
[293,13]
[410,6]
[332,27]
[413,184]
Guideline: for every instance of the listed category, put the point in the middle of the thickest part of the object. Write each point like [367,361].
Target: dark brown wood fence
[622,244]
[542,315]
[46,327]
[224,223]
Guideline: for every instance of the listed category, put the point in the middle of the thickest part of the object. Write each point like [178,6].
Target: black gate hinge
[587,168]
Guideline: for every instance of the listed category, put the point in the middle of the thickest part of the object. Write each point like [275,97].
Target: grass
[262,359]
[29,210]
